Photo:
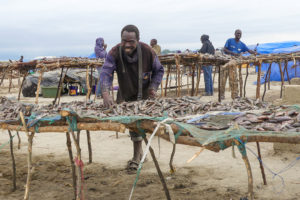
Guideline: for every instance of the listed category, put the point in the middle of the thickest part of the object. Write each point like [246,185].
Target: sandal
[132,166]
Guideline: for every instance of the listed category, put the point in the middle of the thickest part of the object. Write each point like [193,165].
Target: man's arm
[157,74]
[204,48]
[107,72]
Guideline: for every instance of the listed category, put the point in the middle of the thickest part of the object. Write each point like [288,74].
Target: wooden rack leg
[88,84]
[282,78]
[266,79]
[59,85]
[258,82]
[13,161]
[69,145]
[10,81]
[245,83]
[187,81]
[30,168]
[287,72]
[269,79]
[159,171]
[172,168]
[248,167]
[241,80]
[193,80]
[167,79]
[89,146]
[178,76]
[21,86]
[219,84]
[261,165]
[39,86]
[198,79]
[19,140]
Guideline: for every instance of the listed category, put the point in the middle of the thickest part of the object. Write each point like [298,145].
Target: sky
[70,27]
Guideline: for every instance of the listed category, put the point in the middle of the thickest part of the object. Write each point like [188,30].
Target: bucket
[73,90]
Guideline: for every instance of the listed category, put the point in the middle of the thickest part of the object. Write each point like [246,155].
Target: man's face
[152,43]
[129,42]
[238,34]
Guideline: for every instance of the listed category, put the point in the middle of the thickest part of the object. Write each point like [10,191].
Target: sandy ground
[210,176]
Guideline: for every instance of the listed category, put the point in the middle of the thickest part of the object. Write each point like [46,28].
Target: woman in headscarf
[207,47]
[100,52]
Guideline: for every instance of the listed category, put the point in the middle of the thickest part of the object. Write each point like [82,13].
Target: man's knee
[135,137]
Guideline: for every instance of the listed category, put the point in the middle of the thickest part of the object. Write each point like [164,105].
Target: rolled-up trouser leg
[135,137]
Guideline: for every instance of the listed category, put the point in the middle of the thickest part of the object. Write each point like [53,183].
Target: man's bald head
[238,34]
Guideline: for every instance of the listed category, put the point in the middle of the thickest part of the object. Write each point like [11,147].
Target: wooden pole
[167,79]
[258,81]
[19,140]
[269,78]
[91,82]
[39,86]
[261,165]
[13,161]
[178,76]
[214,67]
[282,78]
[159,171]
[287,72]
[22,83]
[241,80]
[266,79]
[59,86]
[242,150]
[10,80]
[193,79]
[172,168]
[247,74]
[187,81]
[198,79]
[30,169]
[219,84]
[69,145]
[89,146]
[88,84]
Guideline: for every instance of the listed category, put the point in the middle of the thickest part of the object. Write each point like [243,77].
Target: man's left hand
[152,93]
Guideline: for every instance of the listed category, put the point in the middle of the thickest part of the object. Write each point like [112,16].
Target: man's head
[238,34]
[130,37]
[153,42]
[204,38]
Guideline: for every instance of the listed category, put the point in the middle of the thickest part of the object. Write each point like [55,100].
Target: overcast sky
[69,27]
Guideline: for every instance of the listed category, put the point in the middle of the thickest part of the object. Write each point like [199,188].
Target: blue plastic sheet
[279,47]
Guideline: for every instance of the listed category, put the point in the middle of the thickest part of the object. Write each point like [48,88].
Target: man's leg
[206,79]
[211,89]
[137,146]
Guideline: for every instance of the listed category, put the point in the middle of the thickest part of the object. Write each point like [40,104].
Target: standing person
[155,46]
[139,75]
[100,52]
[233,46]
[207,47]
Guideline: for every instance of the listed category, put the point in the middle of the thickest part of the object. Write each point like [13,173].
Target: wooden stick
[39,86]
[248,167]
[22,83]
[269,79]
[260,164]
[89,146]
[214,77]
[61,88]
[172,168]
[187,81]
[247,73]
[193,79]
[88,84]
[159,171]
[219,84]
[13,161]
[286,70]
[10,81]
[241,80]
[69,145]
[265,84]
[78,137]
[59,85]
[178,75]
[19,140]
[167,79]
[282,78]
[198,79]
[30,168]
[258,82]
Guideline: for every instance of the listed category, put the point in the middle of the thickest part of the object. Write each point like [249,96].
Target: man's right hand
[107,99]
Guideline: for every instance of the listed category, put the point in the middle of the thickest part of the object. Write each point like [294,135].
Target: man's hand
[152,93]
[107,99]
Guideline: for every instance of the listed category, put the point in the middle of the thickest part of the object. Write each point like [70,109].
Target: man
[155,46]
[207,47]
[235,47]
[100,52]
[139,75]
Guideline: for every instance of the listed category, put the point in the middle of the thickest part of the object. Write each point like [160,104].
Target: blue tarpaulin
[279,47]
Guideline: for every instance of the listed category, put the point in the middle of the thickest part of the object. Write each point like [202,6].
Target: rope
[144,156]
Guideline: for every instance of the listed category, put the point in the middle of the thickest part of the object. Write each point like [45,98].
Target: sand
[210,176]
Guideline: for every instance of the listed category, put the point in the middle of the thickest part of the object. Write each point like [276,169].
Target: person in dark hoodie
[208,48]
[139,76]
[100,52]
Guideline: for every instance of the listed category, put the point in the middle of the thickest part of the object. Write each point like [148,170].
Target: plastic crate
[49,92]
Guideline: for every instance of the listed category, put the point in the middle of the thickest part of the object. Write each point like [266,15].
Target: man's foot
[132,166]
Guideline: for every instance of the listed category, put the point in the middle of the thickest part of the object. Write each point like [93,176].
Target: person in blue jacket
[235,47]
[100,52]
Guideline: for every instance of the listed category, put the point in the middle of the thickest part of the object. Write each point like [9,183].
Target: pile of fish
[253,115]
